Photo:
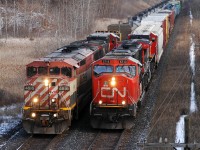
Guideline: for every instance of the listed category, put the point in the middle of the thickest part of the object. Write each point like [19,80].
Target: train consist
[59,85]
[120,79]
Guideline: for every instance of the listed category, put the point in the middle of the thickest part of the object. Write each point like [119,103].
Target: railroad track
[37,142]
[105,139]
[41,141]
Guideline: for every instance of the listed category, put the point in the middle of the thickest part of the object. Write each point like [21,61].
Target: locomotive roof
[127,48]
[131,45]
[70,54]
[146,41]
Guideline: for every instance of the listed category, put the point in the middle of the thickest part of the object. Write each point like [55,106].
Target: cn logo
[103,89]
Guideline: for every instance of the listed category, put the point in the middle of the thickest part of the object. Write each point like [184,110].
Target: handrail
[92,101]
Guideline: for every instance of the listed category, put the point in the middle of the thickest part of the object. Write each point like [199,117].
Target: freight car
[154,33]
[58,85]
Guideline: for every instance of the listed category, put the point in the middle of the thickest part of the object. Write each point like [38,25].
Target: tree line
[36,18]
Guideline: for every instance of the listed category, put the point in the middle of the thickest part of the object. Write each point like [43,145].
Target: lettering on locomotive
[113,90]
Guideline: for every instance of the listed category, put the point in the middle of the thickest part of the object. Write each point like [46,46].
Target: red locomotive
[57,85]
[119,80]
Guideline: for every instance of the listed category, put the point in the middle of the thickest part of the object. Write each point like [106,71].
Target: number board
[29,88]
[63,88]
[122,61]
[106,61]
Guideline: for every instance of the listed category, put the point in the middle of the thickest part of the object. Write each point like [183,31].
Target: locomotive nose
[113,91]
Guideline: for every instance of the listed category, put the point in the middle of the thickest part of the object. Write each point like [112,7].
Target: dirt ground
[174,92]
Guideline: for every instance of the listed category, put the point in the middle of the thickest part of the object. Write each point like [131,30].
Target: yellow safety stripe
[26,108]
[40,110]
[69,108]
[64,108]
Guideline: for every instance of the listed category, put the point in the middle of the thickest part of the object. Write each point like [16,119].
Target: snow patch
[180,131]
[192,56]
[11,107]
[9,119]
[191,17]
[193,106]
[2,144]
[8,125]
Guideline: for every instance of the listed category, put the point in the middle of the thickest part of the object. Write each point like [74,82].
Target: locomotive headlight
[35,100]
[46,82]
[33,115]
[55,115]
[53,100]
[100,102]
[123,102]
[113,82]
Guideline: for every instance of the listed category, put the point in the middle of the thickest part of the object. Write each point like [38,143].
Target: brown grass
[195,118]
[14,55]
[180,103]
[174,93]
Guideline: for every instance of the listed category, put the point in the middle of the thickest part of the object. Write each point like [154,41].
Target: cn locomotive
[120,79]
[57,86]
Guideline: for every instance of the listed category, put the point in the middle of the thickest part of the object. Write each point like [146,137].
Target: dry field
[174,93]
[14,55]
[195,118]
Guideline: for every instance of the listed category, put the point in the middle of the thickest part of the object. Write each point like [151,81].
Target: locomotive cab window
[31,71]
[102,69]
[146,55]
[66,71]
[42,70]
[54,71]
[126,69]
[98,54]
[83,62]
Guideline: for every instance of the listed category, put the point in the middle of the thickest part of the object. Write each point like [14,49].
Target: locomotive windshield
[126,69]
[102,69]
[42,70]
[31,71]
[66,71]
[54,71]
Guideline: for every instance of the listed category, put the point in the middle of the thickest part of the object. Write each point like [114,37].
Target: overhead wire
[174,85]
[170,90]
